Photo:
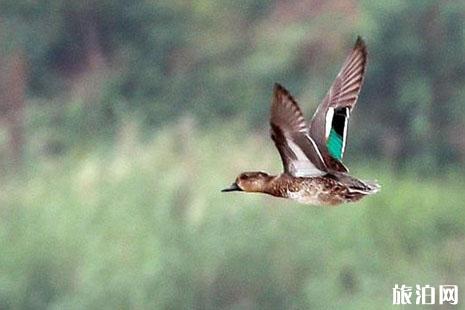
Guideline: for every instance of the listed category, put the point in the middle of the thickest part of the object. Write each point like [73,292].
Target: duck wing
[328,126]
[290,133]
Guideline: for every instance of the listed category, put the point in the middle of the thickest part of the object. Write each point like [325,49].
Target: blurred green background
[120,121]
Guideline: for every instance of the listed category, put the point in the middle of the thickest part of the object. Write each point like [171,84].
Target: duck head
[249,182]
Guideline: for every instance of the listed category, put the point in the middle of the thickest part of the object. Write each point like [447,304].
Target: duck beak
[232,188]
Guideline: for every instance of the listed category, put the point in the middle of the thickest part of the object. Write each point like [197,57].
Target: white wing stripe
[329,120]
[315,147]
[303,167]
[344,138]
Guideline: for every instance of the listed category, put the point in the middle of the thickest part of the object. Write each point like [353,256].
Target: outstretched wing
[289,131]
[328,126]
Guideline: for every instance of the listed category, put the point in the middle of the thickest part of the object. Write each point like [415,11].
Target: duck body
[330,189]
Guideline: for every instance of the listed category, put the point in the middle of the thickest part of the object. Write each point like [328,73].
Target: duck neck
[274,185]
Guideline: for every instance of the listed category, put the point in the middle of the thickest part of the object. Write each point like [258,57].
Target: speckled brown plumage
[326,190]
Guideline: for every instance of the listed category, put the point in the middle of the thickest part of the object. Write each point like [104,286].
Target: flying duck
[312,152]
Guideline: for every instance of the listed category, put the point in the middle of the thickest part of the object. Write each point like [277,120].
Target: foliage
[217,59]
[147,227]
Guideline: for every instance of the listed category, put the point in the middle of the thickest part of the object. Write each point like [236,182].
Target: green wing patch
[334,144]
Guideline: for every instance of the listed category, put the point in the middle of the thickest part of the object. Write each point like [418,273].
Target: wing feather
[343,94]
[289,131]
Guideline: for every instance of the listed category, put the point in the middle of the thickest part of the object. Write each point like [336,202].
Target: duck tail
[365,187]
[373,186]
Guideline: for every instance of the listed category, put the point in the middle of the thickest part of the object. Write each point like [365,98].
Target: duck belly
[317,192]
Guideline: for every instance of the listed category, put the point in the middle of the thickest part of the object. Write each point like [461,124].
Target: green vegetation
[121,121]
[146,226]
[94,62]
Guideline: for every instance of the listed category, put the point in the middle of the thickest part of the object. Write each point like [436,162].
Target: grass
[145,226]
